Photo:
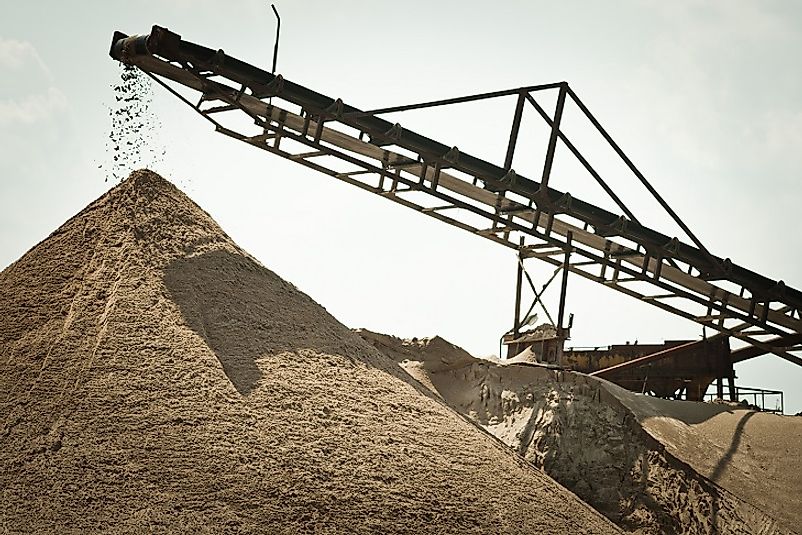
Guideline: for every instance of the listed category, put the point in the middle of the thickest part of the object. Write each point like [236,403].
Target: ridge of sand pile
[600,441]
[154,377]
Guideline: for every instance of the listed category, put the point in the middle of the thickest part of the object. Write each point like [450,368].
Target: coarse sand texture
[653,466]
[156,378]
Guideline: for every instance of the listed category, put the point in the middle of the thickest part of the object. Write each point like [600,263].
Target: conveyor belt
[475,195]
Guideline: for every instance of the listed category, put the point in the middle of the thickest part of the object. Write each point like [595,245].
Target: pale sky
[705,97]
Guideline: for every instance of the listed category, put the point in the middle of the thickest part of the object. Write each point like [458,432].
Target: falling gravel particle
[133,140]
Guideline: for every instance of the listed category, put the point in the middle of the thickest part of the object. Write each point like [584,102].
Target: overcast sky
[705,97]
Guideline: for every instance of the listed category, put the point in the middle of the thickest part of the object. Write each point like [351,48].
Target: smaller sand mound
[420,357]
[636,459]
[754,455]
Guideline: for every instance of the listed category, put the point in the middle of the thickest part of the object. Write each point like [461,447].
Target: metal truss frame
[494,202]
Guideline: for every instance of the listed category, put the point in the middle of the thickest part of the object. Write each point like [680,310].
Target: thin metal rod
[181,97]
[564,286]
[555,131]
[733,389]
[749,352]
[539,294]
[637,173]
[516,126]
[518,284]
[640,361]
[278,31]
[456,100]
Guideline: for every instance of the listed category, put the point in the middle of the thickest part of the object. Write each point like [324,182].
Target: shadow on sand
[736,441]
[216,297]
[245,313]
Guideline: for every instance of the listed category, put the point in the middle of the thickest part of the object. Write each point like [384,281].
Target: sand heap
[754,455]
[154,377]
[650,465]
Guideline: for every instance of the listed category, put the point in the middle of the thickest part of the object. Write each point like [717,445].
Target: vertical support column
[518,286]
[564,286]
[731,384]
[516,126]
[720,388]
[555,134]
[563,289]
[730,371]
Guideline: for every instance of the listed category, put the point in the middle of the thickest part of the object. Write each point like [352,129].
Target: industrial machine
[526,214]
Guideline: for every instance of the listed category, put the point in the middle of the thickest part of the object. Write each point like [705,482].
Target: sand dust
[156,378]
[649,465]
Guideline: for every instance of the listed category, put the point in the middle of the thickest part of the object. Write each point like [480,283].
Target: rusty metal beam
[635,363]
[780,342]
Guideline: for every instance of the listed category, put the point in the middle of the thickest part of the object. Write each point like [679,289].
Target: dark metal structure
[683,368]
[757,397]
[487,199]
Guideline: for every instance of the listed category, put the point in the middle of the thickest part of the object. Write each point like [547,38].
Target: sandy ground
[156,378]
[650,465]
[752,454]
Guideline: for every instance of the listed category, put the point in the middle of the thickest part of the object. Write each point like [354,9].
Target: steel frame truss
[536,221]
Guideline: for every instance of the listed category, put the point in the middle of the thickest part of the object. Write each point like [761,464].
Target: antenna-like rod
[278,29]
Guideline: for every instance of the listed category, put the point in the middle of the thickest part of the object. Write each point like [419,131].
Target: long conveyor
[493,201]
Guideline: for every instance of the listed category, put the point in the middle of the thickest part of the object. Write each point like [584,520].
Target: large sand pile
[154,377]
[650,465]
